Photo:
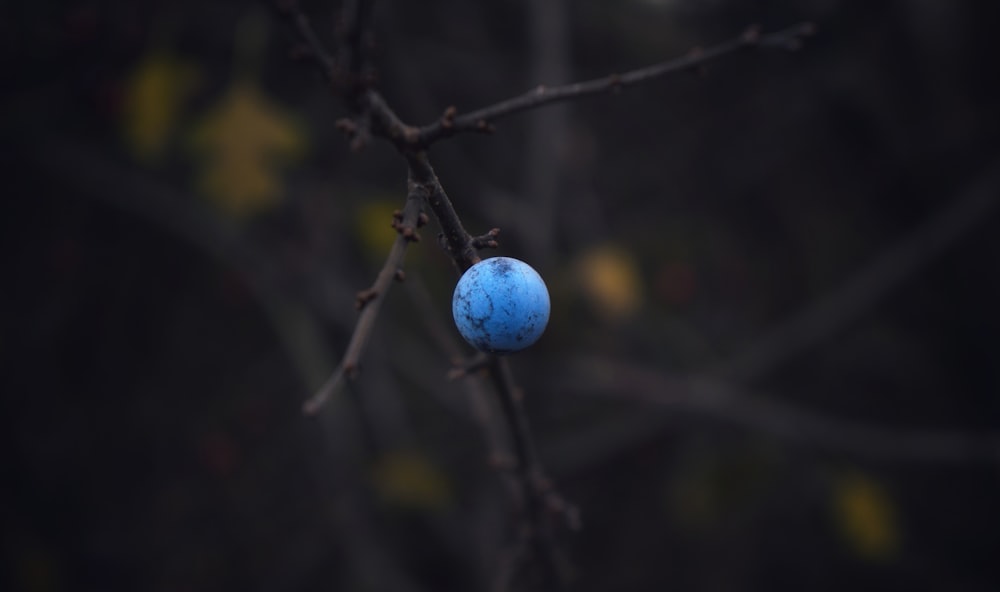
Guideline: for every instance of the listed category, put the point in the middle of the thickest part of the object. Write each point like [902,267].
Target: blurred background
[772,359]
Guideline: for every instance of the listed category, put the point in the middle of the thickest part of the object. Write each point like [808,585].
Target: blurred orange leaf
[244,140]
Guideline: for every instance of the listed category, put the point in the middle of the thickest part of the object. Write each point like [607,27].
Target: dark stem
[482,120]
[371,299]
[539,499]
[457,240]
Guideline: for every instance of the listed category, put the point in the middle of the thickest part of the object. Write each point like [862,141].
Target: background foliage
[185,230]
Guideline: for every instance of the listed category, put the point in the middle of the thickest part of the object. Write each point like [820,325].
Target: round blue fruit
[501,305]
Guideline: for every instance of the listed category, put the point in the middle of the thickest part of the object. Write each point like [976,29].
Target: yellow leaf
[865,516]
[373,221]
[610,278]
[153,96]
[244,140]
[37,569]
[408,479]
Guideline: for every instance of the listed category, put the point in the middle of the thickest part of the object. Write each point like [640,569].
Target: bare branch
[314,47]
[355,19]
[371,299]
[482,120]
[871,283]
[457,241]
[371,114]
[488,240]
[540,499]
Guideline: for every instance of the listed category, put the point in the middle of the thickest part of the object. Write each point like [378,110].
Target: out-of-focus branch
[482,120]
[371,114]
[866,287]
[355,18]
[722,401]
[370,300]
[717,394]
[313,46]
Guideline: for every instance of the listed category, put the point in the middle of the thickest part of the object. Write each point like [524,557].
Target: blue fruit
[501,305]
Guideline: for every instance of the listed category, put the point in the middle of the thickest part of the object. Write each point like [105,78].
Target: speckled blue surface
[501,305]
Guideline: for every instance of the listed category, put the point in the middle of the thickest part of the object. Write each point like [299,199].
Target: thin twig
[315,49]
[355,17]
[367,105]
[482,120]
[487,241]
[370,300]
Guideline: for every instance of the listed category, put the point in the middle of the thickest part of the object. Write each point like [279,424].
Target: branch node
[347,126]
[358,143]
[487,241]
[485,127]
[356,132]
[422,220]
[364,297]
[405,230]
[400,275]
[448,117]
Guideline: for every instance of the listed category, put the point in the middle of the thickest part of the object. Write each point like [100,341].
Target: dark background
[772,360]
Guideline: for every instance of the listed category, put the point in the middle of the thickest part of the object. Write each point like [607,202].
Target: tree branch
[540,501]
[482,120]
[872,282]
[456,240]
[371,299]
[728,403]
[314,47]
[371,113]
[355,17]
[366,104]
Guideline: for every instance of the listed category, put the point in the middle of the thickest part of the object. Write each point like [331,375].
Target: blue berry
[501,305]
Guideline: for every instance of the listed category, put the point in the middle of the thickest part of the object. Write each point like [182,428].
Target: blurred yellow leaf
[408,479]
[610,278]
[374,226]
[865,516]
[37,569]
[153,96]
[244,139]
